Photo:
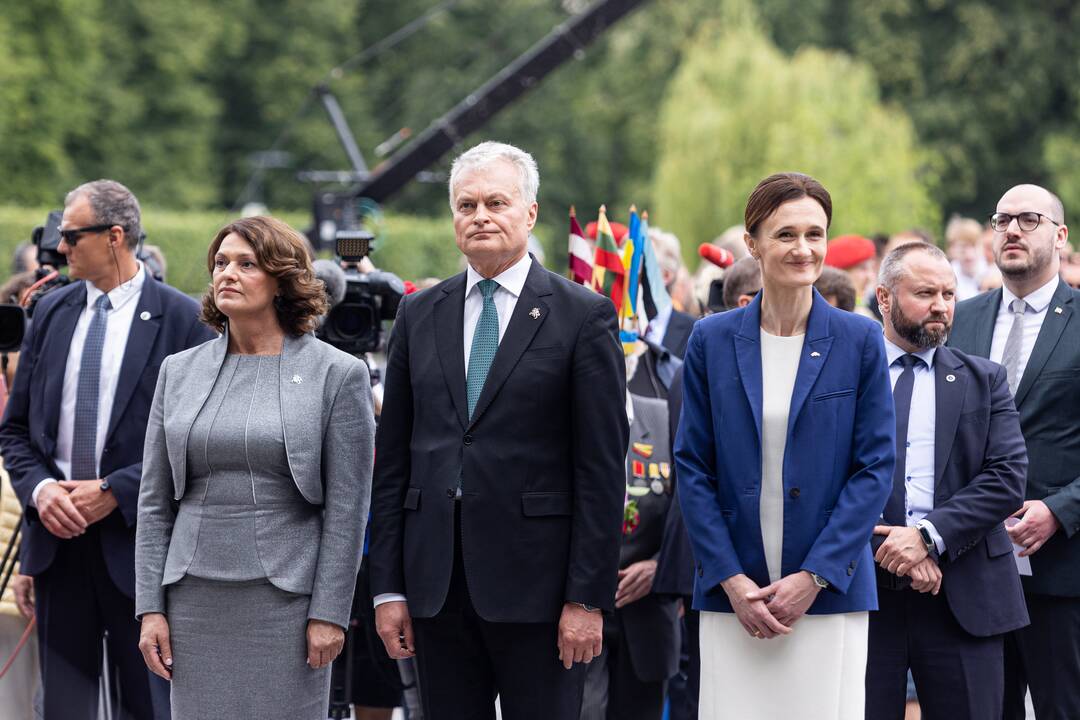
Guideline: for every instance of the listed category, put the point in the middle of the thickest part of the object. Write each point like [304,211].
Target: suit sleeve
[845,538]
[125,481]
[24,464]
[695,460]
[156,509]
[600,434]
[392,464]
[998,490]
[348,450]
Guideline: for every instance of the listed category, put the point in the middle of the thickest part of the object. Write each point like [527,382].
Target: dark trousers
[1045,658]
[613,690]
[957,676]
[77,604]
[683,688]
[464,661]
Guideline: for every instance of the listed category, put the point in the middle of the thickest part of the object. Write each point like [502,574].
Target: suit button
[794,492]
[850,570]
[467,439]
[701,572]
[450,493]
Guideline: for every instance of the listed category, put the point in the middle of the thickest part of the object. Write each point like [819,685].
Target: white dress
[818,671]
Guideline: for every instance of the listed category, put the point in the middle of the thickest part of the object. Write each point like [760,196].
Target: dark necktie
[84,434]
[485,342]
[894,508]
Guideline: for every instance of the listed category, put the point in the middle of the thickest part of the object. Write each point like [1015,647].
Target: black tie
[894,508]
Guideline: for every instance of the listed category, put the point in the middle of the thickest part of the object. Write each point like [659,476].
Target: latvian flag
[581,253]
[608,272]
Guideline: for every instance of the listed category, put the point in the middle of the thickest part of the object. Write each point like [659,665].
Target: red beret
[618,229]
[849,250]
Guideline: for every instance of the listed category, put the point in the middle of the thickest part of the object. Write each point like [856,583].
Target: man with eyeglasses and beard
[948,588]
[72,441]
[1029,327]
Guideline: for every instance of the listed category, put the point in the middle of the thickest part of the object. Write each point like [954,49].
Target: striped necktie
[84,435]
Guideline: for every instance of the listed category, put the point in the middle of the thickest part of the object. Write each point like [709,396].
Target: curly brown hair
[283,253]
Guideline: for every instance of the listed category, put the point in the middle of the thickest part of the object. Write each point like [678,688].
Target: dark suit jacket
[838,460]
[980,464]
[28,431]
[1048,400]
[540,462]
[678,333]
[675,561]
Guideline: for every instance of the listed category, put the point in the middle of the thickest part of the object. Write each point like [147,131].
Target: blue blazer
[28,431]
[838,462]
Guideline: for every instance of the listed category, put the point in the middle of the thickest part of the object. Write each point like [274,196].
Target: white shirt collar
[120,294]
[1038,300]
[894,351]
[512,279]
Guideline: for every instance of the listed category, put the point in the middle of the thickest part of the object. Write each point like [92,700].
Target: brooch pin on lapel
[535,313]
[950,378]
[815,354]
[145,314]
[1058,310]
[296,380]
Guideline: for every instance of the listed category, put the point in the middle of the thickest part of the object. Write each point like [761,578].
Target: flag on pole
[581,253]
[608,273]
[633,254]
[653,293]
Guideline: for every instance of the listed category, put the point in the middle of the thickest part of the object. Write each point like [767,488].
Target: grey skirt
[240,651]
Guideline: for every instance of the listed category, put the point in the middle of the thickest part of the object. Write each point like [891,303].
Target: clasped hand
[68,507]
[904,554]
[1037,526]
[771,611]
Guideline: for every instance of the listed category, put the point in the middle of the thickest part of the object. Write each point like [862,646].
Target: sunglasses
[72,236]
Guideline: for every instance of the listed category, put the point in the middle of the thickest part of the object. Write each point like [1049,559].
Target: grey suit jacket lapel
[1053,325]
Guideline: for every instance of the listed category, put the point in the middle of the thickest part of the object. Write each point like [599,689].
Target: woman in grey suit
[255,489]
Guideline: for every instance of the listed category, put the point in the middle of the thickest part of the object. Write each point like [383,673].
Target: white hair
[668,249]
[488,152]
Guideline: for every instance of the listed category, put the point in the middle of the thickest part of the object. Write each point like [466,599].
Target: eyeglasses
[1027,221]
[72,236]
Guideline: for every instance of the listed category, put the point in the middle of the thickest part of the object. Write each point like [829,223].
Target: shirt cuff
[939,542]
[388,597]
[37,489]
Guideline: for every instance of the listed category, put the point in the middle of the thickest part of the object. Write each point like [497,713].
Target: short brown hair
[837,283]
[282,253]
[775,190]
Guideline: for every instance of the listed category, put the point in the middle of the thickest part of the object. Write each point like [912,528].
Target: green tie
[485,342]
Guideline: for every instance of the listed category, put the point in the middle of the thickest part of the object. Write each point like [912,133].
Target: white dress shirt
[510,283]
[124,299]
[1038,303]
[919,480]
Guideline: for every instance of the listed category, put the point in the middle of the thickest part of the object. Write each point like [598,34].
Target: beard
[916,332]
[1038,259]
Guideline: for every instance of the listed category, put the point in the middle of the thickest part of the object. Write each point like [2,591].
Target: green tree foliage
[739,109]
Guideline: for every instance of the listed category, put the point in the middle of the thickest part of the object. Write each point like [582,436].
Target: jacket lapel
[199,383]
[748,359]
[298,406]
[449,343]
[948,403]
[985,319]
[524,324]
[55,354]
[140,343]
[1053,325]
[815,354]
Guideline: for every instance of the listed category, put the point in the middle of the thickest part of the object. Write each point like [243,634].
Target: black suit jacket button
[451,493]
[794,492]
[467,439]
[701,572]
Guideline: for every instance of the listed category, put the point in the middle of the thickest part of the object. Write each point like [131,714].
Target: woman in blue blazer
[785,456]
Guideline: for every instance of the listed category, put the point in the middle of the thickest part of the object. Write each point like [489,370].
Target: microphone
[333,278]
[718,256]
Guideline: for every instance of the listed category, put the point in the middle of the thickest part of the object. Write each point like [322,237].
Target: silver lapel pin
[145,314]
[296,380]
[535,313]
[950,378]
[815,354]
[1058,310]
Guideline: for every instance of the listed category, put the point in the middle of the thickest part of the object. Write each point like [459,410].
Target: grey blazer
[329,431]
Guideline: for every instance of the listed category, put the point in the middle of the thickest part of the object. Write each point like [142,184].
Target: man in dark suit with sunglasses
[72,441]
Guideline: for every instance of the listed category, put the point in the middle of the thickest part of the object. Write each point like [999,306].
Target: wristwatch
[104,486]
[931,546]
[820,581]
[588,608]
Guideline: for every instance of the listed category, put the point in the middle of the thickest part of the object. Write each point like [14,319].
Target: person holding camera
[71,440]
[256,480]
